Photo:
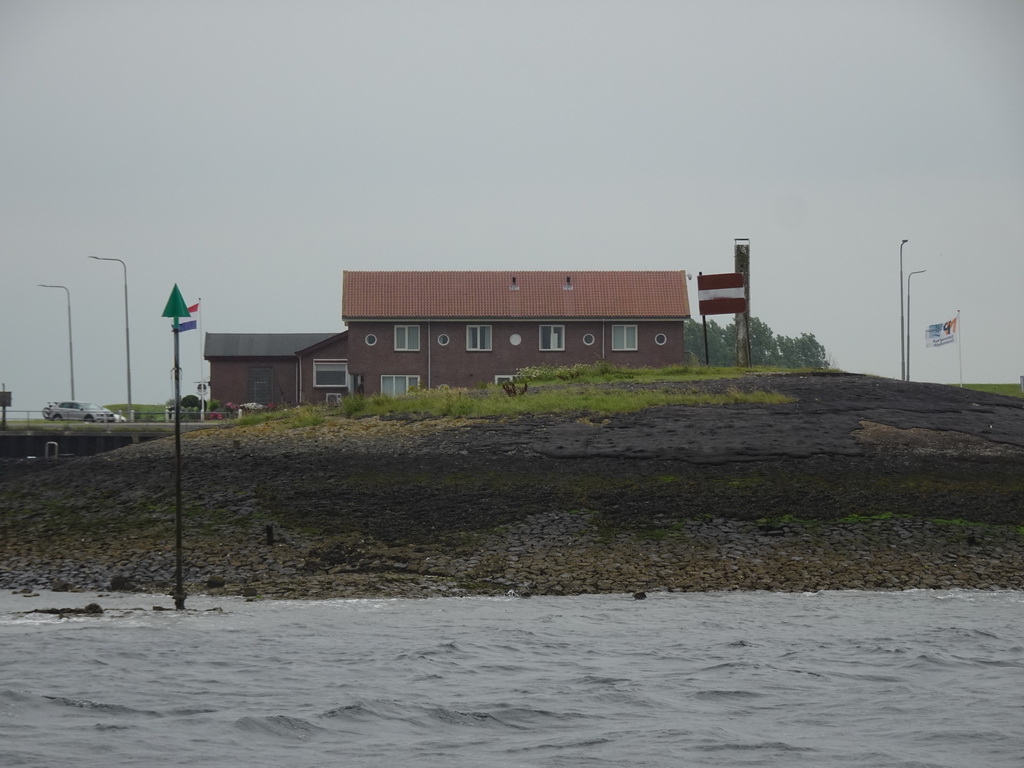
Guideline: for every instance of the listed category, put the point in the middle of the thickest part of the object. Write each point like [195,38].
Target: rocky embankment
[861,483]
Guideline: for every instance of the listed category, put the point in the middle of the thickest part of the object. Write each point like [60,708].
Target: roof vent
[568,283]
[514,286]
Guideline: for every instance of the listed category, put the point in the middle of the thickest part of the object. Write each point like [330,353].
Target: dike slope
[860,483]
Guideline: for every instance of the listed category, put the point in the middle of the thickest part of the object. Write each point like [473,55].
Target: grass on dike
[551,389]
[1010,390]
[565,391]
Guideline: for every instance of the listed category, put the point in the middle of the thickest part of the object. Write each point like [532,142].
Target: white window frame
[552,330]
[478,338]
[402,341]
[327,362]
[409,382]
[622,343]
[504,378]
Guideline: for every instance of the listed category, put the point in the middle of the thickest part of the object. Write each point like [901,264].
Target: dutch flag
[190,324]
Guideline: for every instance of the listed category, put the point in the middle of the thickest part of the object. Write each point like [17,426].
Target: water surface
[914,679]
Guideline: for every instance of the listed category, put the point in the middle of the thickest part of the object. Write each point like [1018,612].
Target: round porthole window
[443,340]
[660,339]
[370,339]
[588,339]
[515,339]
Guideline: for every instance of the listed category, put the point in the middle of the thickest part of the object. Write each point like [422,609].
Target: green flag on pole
[176,306]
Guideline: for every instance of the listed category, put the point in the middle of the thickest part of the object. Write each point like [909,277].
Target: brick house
[280,368]
[463,328]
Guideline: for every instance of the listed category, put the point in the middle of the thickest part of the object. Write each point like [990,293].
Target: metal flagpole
[959,350]
[202,378]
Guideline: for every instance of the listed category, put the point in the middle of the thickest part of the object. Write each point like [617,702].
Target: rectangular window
[623,338]
[330,373]
[504,378]
[261,384]
[398,385]
[552,338]
[407,338]
[478,338]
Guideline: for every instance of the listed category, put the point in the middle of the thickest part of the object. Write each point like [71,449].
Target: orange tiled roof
[594,294]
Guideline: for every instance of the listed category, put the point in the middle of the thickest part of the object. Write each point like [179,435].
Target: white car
[73,410]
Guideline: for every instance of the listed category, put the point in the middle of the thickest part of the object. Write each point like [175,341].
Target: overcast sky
[250,151]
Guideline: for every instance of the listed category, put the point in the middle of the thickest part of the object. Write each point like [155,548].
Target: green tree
[723,352]
[766,347]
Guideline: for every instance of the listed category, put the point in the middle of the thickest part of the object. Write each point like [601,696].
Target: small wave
[885,650]
[602,681]
[372,711]
[96,706]
[444,652]
[871,677]
[774,746]
[455,717]
[279,727]
[524,717]
[427,717]
[728,694]
[731,665]
[931,660]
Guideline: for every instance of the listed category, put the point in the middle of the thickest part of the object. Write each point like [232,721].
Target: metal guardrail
[34,419]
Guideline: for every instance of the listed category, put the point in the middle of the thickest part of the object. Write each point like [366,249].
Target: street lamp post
[127,343]
[918,272]
[903,352]
[71,350]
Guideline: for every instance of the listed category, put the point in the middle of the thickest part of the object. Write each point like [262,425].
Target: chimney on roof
[514,286]
[568,283]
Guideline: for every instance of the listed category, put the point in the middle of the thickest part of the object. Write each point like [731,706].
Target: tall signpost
[741,256]
[176,309]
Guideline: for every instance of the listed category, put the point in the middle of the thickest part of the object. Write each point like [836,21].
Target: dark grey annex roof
[260,344]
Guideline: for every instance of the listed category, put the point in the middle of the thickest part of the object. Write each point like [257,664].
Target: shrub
[353,404]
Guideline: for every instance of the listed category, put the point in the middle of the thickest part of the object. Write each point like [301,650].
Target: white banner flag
[940,334]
